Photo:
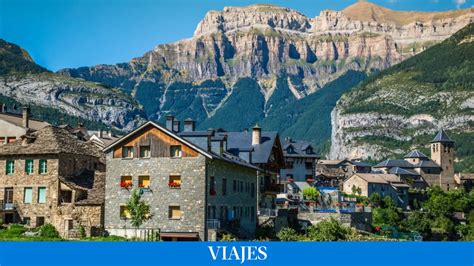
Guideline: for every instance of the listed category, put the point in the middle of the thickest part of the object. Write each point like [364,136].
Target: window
[289,164]
[11,139]
[2,140]
[174,181]
[252,213]
[124,212]
[27,221]
[309,150]
[29,167]
[43,166]
[212,186]
[309,165]
[234,186]
[41,195]
[175,151]
[10,169]
[126,182]
[253,190]
[144,151]
[127,152]
[144,181]
[224,186]
[65,196]
[28,195]
[39,221]
[174,212]
[241,186]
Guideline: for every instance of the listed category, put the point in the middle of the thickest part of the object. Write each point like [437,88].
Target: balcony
[213,224]
[6,206]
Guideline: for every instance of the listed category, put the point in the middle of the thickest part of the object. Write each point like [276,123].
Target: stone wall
[245,199]
[358,220]
[190,197]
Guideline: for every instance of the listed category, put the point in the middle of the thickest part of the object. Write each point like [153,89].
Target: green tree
[375,199]
[311,193]
[289,234]
[328,230]
[139,210]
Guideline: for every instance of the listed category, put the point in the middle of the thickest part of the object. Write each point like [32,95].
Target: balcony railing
[6,206]
[213,224]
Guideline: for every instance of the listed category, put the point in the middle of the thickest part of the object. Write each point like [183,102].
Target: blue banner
[234,253]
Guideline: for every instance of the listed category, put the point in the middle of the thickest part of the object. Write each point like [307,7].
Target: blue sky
[74,33]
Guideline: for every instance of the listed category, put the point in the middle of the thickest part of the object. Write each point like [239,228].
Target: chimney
[26,117]
[176,126]
[101,133]
[189,125]
[169,122]
[256,135]
[3,108]
[109,133]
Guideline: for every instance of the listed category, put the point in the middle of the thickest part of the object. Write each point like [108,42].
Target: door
[8,198]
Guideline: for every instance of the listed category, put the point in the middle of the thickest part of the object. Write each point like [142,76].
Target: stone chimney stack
[101,133]
[189,125]
[26,117]
[3,108]
[169,122]
[256,135]
[176,126]
[109,133]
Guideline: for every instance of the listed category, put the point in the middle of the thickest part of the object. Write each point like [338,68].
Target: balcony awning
[179,235]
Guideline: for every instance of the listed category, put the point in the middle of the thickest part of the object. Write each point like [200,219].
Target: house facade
[51,177]
[300,161]
[193,190]
[383,184]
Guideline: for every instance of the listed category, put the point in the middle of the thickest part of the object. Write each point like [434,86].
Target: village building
[13,126]
[51,177]
[300,161]
[384,184]
[420,171]
[332,173]
[193,185]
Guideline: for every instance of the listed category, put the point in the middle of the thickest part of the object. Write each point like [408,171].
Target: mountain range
[245,65]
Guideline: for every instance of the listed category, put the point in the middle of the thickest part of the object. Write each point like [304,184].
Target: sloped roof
[242,141]
[90,181]
[401,171]
[427,164]
[416,154]
[299,149]
[17,120]
[394,163]
[373,178]
[442,137]
[50,140]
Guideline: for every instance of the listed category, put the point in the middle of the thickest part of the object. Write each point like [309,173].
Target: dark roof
[427,164]
[195,133]
[361,164]
[416,154]
[401,171]
[50,140]
[394,163]
[90,181]
[299,148]
[242,141]
[442,137]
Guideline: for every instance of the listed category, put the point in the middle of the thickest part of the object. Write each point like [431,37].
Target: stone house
[383,184]
[300,160]
[422,171]
[51,177]
[332,173]
[13,126]
[193,190]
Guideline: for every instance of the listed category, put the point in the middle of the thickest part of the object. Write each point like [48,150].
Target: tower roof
[442,137]
[416,154]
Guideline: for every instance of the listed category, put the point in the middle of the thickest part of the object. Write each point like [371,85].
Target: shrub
[49,231]
[228,238]
[289,234]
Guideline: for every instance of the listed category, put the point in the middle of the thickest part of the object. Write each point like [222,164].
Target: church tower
[442,153]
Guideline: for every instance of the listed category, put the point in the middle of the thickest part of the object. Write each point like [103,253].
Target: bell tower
[442,153]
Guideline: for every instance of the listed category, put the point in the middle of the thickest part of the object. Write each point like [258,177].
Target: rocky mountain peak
[235,18]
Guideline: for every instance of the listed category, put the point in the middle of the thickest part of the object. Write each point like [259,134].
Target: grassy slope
[435,82]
